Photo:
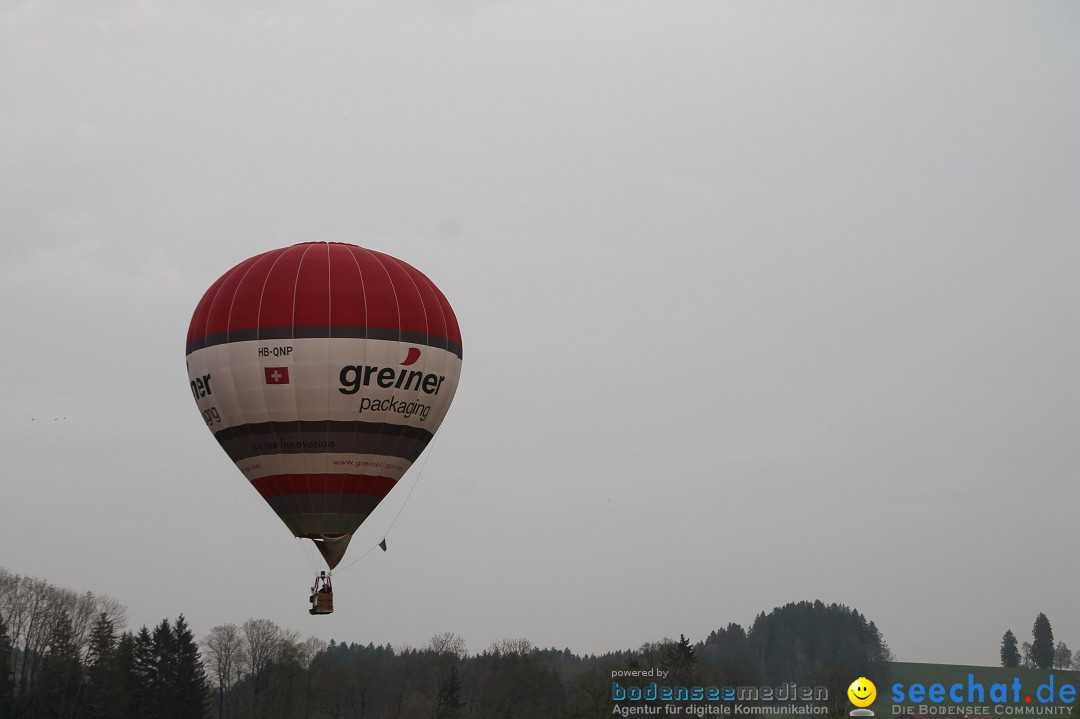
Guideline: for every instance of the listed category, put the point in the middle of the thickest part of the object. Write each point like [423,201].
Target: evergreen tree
[127,695]
[682,662]
[7,680]
[727,652]
[101,669]
[190,692]
[450,704]
[813,643]
[143,677]
[164,692]
[57,692]
[1010,655]
[1042,648]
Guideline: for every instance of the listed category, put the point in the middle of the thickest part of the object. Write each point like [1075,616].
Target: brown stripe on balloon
[273,334]
[314,526]
[330,437]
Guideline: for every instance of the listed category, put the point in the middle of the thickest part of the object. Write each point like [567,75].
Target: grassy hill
[908,673]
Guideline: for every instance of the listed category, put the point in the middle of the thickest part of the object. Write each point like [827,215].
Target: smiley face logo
[862,692]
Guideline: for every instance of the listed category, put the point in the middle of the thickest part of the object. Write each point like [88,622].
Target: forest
[70,655]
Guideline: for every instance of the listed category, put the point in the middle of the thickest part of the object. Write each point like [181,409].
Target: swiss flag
[276,375]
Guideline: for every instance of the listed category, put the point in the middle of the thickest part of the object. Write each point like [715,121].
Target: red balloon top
[320,289]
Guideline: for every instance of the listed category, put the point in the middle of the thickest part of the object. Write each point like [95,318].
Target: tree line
[66,655]
[259,670]
[1040,652]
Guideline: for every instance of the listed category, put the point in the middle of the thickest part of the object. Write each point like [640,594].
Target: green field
[909,673]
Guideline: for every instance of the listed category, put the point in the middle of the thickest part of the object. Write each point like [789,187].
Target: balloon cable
[305,551]
[419,474]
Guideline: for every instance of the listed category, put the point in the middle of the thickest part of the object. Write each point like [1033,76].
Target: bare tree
[448,643]
[83,610]
[8,584]
[223,648]
[30,628]
[34,609]
[1063,656]
[262,644]
[519,647]
[113,610]
[652,654]
[310,647]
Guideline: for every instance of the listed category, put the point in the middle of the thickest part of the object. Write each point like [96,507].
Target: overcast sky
[760,302]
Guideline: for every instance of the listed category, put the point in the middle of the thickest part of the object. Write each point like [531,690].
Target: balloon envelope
[323,370]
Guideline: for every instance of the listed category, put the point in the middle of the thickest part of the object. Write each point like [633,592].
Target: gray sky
[760,302]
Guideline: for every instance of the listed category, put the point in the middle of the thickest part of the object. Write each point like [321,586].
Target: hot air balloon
[323,371]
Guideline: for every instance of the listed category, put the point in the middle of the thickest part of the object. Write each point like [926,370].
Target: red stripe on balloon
[280,484]
[321,284]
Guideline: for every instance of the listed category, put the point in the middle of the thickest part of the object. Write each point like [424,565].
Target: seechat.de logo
[862,694]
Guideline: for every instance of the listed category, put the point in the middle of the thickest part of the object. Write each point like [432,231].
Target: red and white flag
[276,375]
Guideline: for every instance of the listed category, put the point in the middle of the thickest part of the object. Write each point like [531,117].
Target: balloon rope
[339,572]
[427,456]
[307,555]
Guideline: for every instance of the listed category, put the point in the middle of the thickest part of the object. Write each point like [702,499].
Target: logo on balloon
[414,354]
